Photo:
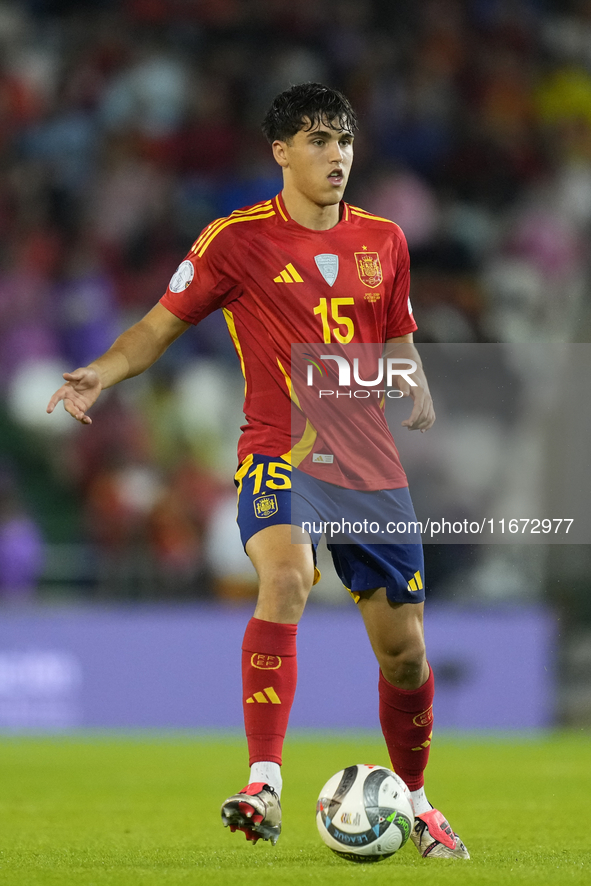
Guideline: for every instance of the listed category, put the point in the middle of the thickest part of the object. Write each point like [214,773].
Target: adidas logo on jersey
[288,275]
[415,584]
[264,697]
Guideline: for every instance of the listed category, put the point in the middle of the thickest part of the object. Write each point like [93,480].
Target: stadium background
[124,129]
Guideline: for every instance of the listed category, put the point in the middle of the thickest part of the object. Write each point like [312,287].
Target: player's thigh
[266,504]
[277,560]
[285,571]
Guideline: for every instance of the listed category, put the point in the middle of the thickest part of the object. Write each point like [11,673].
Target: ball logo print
[364,813]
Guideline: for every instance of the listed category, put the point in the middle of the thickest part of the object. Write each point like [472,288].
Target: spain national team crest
[265,505]
[369,268]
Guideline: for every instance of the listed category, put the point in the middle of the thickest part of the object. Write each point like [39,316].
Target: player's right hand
[80,391]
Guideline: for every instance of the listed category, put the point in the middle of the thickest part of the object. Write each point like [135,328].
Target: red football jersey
[279,284]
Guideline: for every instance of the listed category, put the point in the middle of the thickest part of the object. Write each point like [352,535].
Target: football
[364,813]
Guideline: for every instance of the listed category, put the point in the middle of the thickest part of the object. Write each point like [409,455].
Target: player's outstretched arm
[134,351]
[422,416]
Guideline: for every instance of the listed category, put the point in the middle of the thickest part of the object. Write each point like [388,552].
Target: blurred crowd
[126,127]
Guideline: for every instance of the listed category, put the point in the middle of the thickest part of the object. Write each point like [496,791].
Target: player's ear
[280,152]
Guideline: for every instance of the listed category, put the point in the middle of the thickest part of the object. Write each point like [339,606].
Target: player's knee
[283,592]
[404,665]
[291,581]
[286,568]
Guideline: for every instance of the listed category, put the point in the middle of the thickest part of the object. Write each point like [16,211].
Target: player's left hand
[422,416]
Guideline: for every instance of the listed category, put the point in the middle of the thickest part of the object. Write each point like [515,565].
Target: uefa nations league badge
[182,276]
[328,265]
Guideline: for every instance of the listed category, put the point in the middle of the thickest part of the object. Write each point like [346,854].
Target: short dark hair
[313,102]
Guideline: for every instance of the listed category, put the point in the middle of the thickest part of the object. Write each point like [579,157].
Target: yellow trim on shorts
[242,471]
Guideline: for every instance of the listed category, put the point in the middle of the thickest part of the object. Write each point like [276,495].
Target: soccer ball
[365,813]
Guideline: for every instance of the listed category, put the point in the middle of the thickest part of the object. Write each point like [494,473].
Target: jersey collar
[284,214]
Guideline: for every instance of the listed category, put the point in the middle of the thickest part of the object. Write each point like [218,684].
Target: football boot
[256,811]
[434,838]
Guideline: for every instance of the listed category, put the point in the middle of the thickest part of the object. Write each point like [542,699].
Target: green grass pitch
[144,810]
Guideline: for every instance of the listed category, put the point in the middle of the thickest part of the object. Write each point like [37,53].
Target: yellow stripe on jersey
[203,233]
[219,222]
[281,212]
[229,317]
[216,224]
[232,221]
[303,447]
[363,214]
[262,205]
[292,394]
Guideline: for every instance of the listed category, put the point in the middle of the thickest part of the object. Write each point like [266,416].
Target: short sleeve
[201,283]
[400,319]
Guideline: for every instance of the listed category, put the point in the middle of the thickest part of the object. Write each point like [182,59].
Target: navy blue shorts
[270,492]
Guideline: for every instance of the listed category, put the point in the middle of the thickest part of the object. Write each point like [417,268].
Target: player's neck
[309,214]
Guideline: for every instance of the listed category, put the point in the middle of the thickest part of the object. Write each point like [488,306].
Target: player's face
[317,162]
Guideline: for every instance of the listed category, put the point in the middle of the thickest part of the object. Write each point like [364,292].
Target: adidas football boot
[256,811]
[434,838]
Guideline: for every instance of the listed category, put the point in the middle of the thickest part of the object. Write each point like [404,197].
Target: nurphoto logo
[387,369]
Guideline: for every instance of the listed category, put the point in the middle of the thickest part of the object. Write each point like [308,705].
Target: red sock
[269,676]
[407,723]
